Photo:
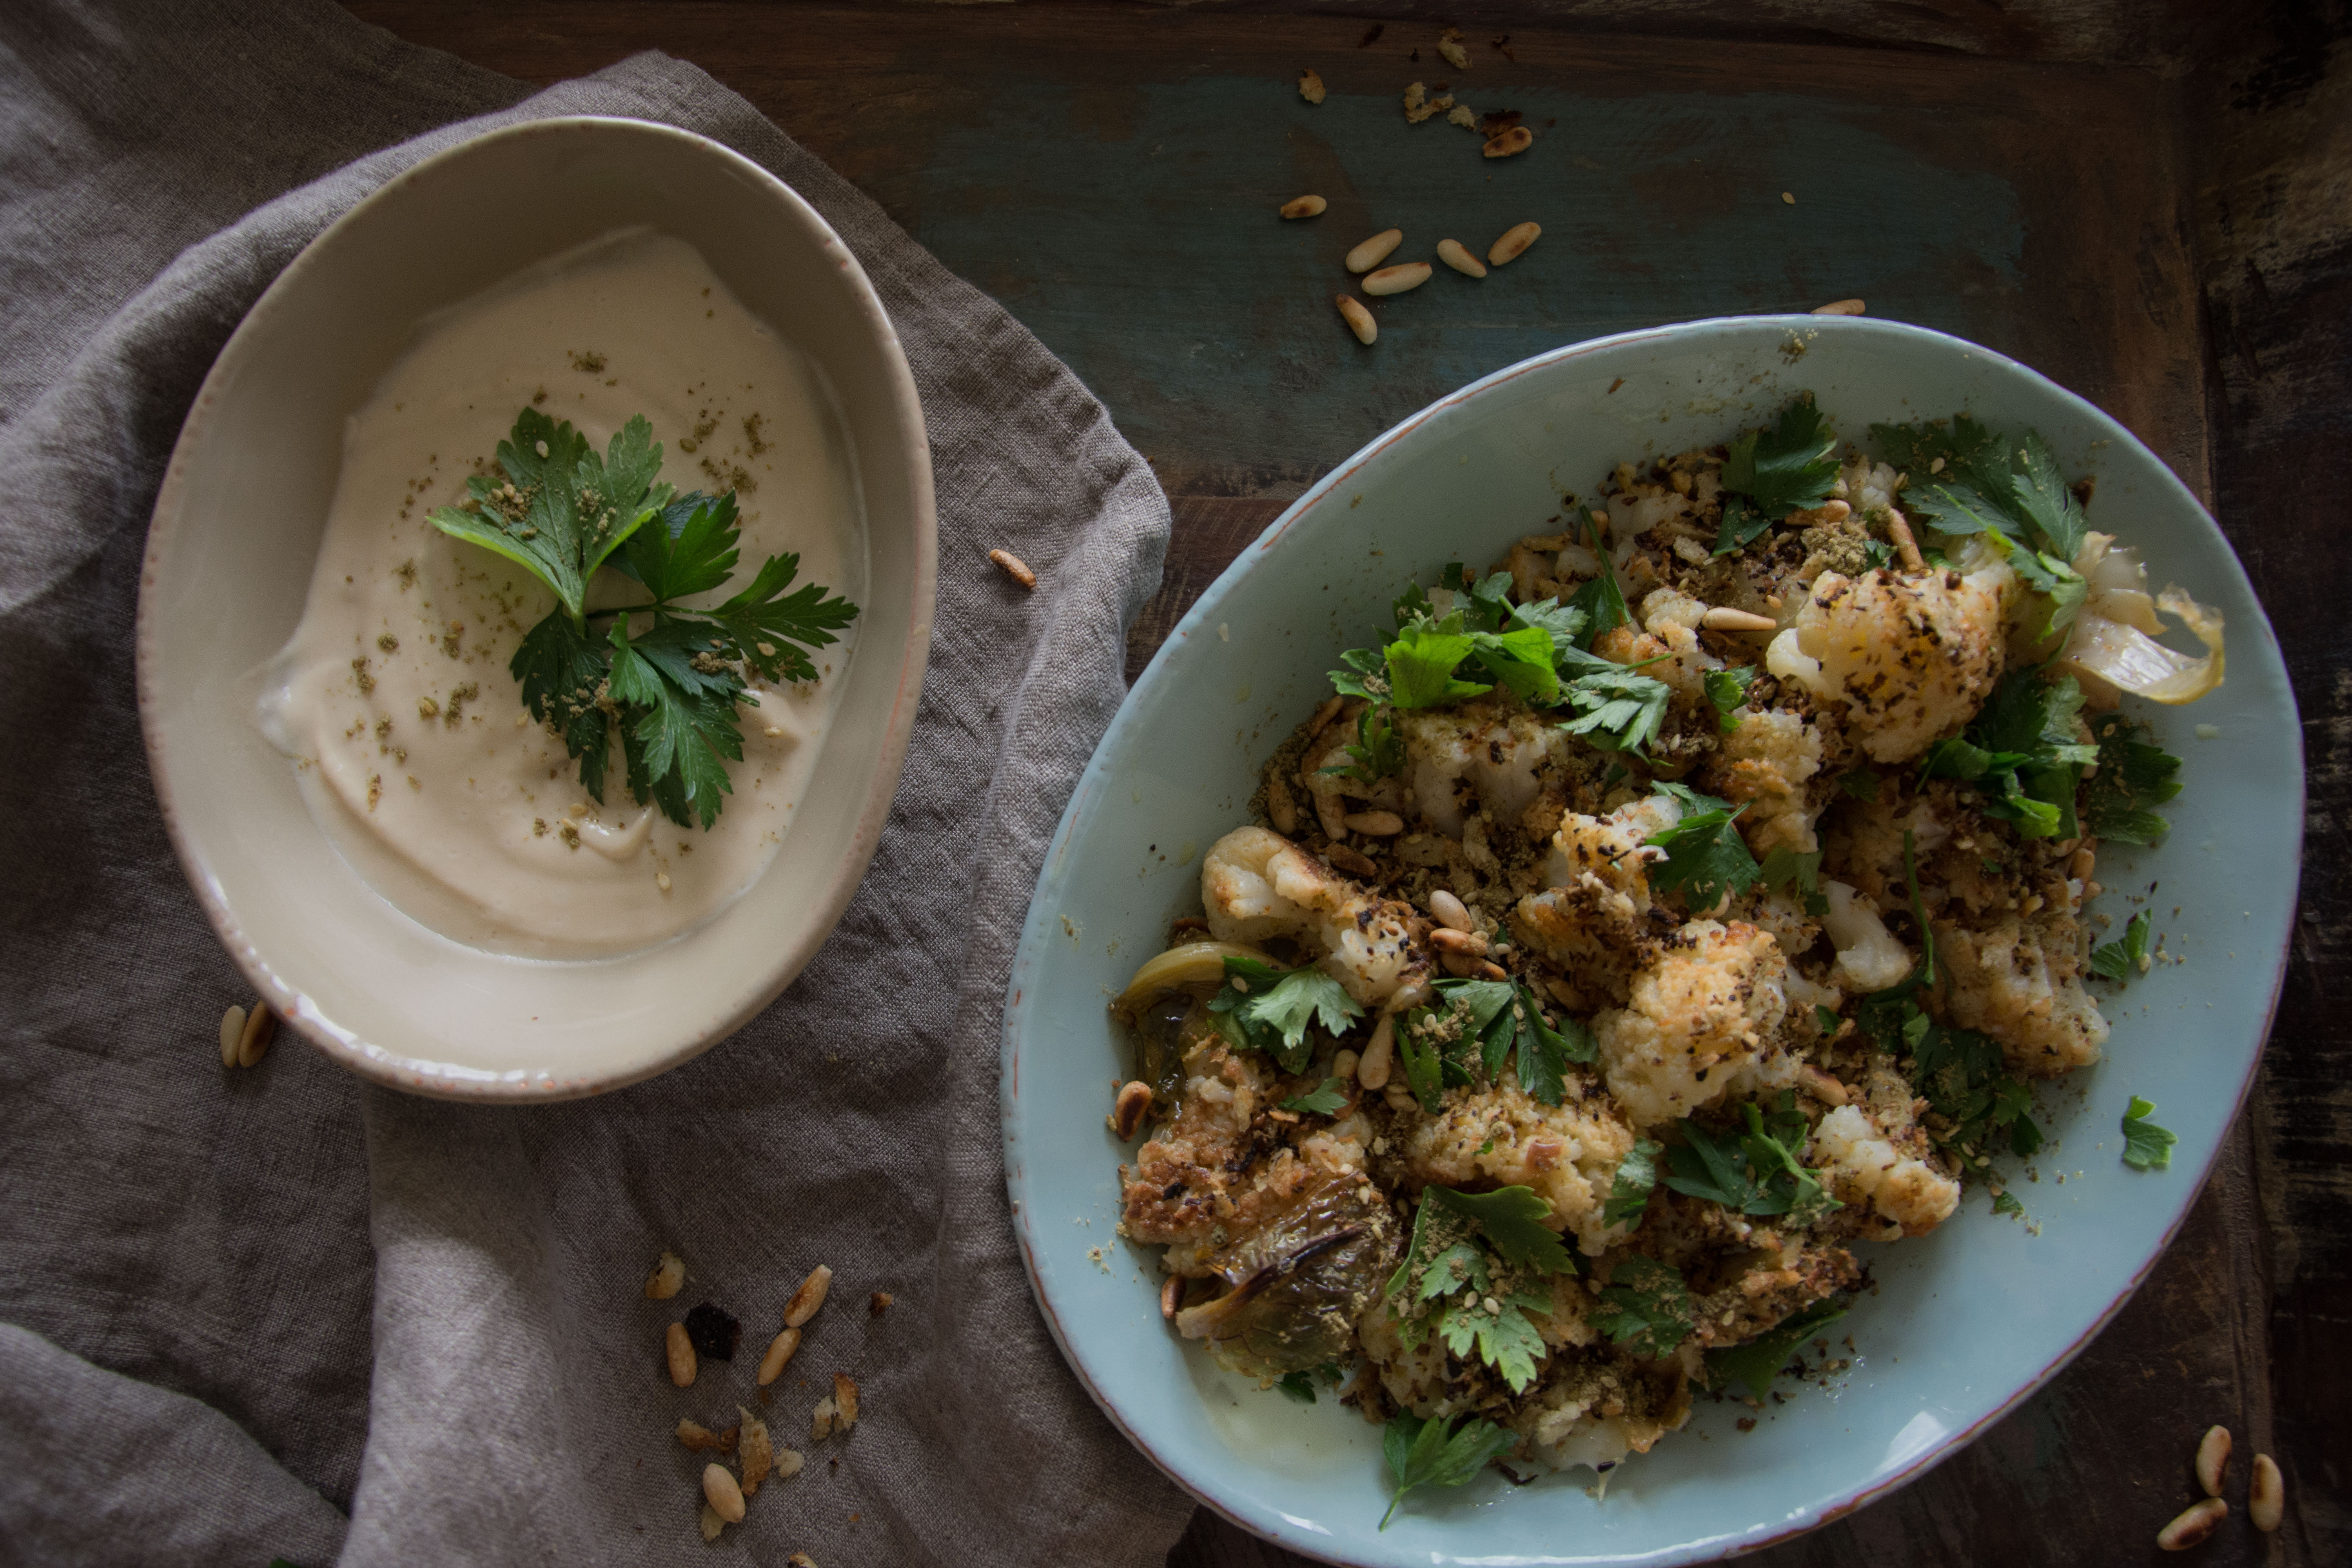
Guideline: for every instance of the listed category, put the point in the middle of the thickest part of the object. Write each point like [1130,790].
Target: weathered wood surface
[2167,237]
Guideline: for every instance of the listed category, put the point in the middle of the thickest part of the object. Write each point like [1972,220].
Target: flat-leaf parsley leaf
[2147,1146]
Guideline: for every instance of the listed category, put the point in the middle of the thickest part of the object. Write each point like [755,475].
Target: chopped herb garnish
[1743,525]
[2022,753]
[1620,712]
[1379,754]
[2004,1202]
[1470,1276]
[671,695]
[2147,1146]
[1786,469]
[1757,1173]
[1706,856]
[1435,1453]
[1862,784]
[1637,1175]
[1756,1363]
[1727,689]
[1984,484]
[1266,1010]
[2122,959]
[2133,776]
[1324,1100]
[1645,1307]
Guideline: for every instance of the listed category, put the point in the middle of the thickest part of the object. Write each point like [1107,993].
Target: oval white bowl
[1963,1324]
[228,562]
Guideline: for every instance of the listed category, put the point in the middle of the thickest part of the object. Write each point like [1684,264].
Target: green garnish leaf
[692,552]
[1622,710]
[1784,867]
[1647,1308]
[2147,1146]
[1435,1453]
[1701,1167]
[685,732]
[1544,1051]
[1512,1219]
[2005,1201]
[1297,1386]
[1758,1172]
[1788,468]
[2046,501]
[1637,1174]
[1706,856]
[1366,675]
[1324,1100]
[1826,1018]
[1862,784]
[1503,1338]
[1727,690]
[1756,1363]
[1561,623]
[2022,753]
[1379,754]
[2121,960]
[2133,776]
[1266,1009]
[1422,660]
[1743,525]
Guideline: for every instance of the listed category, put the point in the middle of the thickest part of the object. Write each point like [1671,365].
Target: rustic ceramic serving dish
[228,563]
[1963,1325]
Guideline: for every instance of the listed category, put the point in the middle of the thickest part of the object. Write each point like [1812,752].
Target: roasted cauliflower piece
[2020,981]
[1257,886]
[1766,762]
[1702,1008]
[1911,655]
[1499,1137]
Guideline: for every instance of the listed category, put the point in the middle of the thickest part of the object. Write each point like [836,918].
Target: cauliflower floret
[1672,619]
[1501,1137]
[1701,1009]
[1592,922]
[2020,981]
[1767,760]
[1911,654]
[1500,751]
[1867,486]
[1257,885]
[1869,958]
[1594,1407]
[1865,1170]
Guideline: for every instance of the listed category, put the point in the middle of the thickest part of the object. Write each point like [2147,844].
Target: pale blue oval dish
[1965,1323]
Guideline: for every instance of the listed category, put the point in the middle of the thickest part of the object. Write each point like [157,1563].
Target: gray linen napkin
[275,1313]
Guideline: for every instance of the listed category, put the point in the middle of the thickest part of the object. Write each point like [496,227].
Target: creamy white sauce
[393,696]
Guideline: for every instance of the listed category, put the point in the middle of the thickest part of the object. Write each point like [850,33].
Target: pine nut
[1821,1086]
[2266,1498]
[669,1275]
[1360,321]
[1446,939]
[1898,529]
[1375,250]
[1399,1097]
[1517,139]
[253,1041]
[232,1030]
[2193,1524]
[780,1351]
[1304,206]
[1347,859]
[1281,809]
[1126,1112]
[1451,911]
[1014,567]
[1343,1064]
[2084,865]
[799,1559]
[844,1403]
[1397,279]
[2213,1460]
[1171,1297]
[1723,619]
[681,1356]
[1374,824]
[821,1421]
[1451,252]
[718,1488]
[1514,243]
[1492,971]
[1328,710]
[809,1297]
[1373,1067]
[1310,85]
[1839,308]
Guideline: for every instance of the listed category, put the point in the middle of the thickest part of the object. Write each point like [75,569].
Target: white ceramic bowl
[1963,1324]
[228,563]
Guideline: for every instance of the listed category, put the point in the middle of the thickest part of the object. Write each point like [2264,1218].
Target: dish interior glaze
[1962,1326]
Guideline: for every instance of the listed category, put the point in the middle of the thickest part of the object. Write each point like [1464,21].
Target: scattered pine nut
[1821,1086]
[232,1029]
[661,880]
[1374,824]
[1451,252]
[718,1488]
[2193,1524]
[1517,139]
[1789,197]
[1343,1064]
[809,1297]
[879,1303]
[1724,619]
[821,1420]
[799,1559]
[1397,279]
[1375,250]
[1840,308]
[1514,243]
[1304,206]
[668,1276]
[1360,321]
[1126,1112]
[1449,44]
[844,1403]
[759,1455]
[681,1356]
[1450,910]
[2213,1460]
[1446,939]
[2266,1498]
[253,1041]
[1326,711]
[779,1351]
[788,1463]
[1310,85]
[1899,528]
[1347,859]
[1373,1067]
[1014,567]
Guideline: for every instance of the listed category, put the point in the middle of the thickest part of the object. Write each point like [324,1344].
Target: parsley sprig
[2132,777]
[1645,1306]
[670,694]
[1966,478]
[1706,856]
[1783,469]
[1438,1453]
[1475,1028]
[1757,1172]
[1629,1191]
[1472,1273]
[2022,753]
[1759,1361]
[2147,1146]
[2122,958]
[1262,1009]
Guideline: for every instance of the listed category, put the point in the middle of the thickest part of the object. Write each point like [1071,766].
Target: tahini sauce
[410,736]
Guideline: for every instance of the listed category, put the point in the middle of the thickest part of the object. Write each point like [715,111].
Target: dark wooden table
[2143,200]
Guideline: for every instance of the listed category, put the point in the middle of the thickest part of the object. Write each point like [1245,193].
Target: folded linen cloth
[277,1314]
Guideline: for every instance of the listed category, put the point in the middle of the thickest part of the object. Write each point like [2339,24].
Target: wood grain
[2144,201]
